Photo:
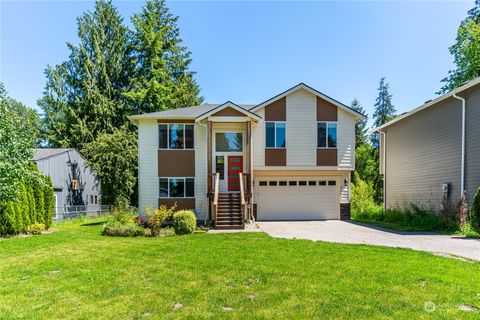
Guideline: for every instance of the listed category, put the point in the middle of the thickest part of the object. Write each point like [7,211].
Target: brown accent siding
[276,111]
[326,111]
[175,121]
[182,203]
[228,112]
[326,157]
[275,157]
[176,163]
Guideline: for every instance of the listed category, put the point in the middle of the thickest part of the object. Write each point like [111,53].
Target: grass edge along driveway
[75,273]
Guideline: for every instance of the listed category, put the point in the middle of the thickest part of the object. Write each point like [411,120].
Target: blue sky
[247,52]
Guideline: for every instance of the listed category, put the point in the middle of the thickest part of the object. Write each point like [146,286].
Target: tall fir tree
[384,109]
[465,51]
[84,96]
[162,79]
[360,126]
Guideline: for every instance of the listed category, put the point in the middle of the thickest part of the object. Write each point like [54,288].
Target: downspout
[462,177]
[208,209]
[384,160]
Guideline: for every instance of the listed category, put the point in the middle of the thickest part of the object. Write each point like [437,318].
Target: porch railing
[242,198]
[215,195]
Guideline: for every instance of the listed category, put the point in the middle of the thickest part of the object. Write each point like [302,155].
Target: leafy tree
[465,51]
[114,158]
[362,193]
[84,96]
[29,117]
[16,142]
[162,78]
[361,126]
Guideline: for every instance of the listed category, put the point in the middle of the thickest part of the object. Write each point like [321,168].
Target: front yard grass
[75,273]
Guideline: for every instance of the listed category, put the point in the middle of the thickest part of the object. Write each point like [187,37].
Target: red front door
[235,166]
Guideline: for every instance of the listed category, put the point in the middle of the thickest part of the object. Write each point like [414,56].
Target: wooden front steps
[229,211]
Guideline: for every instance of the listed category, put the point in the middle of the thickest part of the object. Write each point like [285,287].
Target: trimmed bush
[123,230]
[184,222]
[36,228]
[475,212]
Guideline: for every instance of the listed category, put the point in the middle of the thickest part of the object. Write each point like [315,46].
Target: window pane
[322,183]
[332,183]
[263,183]
[302,183]
[162,136]
[321,135]
[270,134]
[190,187]
[312,183]
[272,183]
[282,183]
[280,143]
[220,166]
[228,142]
[332,135]
[189,136]
[292,183]
[163,188]
[176,136]
[177,188]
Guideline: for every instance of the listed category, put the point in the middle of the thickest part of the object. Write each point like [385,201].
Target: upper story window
[175,136]
[275,135]
[228,142]
[326,134]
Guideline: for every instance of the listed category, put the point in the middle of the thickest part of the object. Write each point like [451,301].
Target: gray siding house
[76,187]
[432,153]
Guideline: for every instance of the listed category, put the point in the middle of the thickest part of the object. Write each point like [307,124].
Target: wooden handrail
[215,195]
[242,190]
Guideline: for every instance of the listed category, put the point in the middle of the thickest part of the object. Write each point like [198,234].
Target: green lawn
[75,273]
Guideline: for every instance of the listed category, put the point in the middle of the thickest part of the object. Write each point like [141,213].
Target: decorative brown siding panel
[276,111]
[275,157]
[176,163]
[228,112]
[326,111]
[327,157]
[175,121]
[182,203]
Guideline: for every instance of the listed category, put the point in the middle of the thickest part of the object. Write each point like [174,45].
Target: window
[275,135]
[326,134]
[312,183]
[322,183]
[282,183]
[272,183]
[292,183]
[96,199]
[332,183]
[220,166]
[263,183]
[91,198]
[175,136]
[228,142]
[177,187]
[302,183]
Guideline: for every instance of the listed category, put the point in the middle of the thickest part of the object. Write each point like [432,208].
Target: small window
[176,136]
[91,198]
[326,134]
[176,187]
[163,187]
[189,136]
[332,183]
[302,183]
[292,183]
[189,187]
[96,199]
[312,183]
[275,135]
[282,183]
[220,166]
[228,142]
[322,183]
[272,183]
[163,136]
[263,183]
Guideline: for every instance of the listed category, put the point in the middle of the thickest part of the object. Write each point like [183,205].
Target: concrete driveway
[355,233]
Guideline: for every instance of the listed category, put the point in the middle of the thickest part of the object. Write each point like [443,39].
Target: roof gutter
[462,178]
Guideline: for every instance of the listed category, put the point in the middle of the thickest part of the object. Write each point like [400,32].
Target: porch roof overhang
[247,115]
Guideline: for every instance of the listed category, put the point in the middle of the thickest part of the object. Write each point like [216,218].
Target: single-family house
[76,186]
[287,158]
[430,156]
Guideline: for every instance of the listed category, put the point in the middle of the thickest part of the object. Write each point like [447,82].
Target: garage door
[312,198]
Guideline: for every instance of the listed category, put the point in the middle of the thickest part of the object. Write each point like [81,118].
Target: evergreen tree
[84,95]
[162,77]
[384,109]
[361,126]
[465,51]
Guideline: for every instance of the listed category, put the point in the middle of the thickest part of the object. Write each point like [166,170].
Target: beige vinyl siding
[258,137]
[346,140]
[422,153]
[201,167]
[147,164]
[301,129]
[472,143]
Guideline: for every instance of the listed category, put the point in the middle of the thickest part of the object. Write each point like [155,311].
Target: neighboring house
[76,187]
[426,156]
[288,158]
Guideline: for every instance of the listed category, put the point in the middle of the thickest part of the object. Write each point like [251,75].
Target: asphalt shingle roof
[193,112]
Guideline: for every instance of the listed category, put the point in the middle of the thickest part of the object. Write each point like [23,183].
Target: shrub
[363,206]
[156,218]
[36,228]
[462,211]
[475,212]
[184,222]
[123,230]
[122,216]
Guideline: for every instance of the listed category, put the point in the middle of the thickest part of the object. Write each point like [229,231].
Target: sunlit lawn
[75,273]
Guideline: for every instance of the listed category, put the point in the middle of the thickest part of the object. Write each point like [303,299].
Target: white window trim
[326,136]
[184,187]
[275,135]
[168,135]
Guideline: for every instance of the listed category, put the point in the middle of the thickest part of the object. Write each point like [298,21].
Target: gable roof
[317,93]
[428,104]
[225,105]
[43,153]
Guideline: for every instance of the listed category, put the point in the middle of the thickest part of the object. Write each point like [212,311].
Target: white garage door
[297,198]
